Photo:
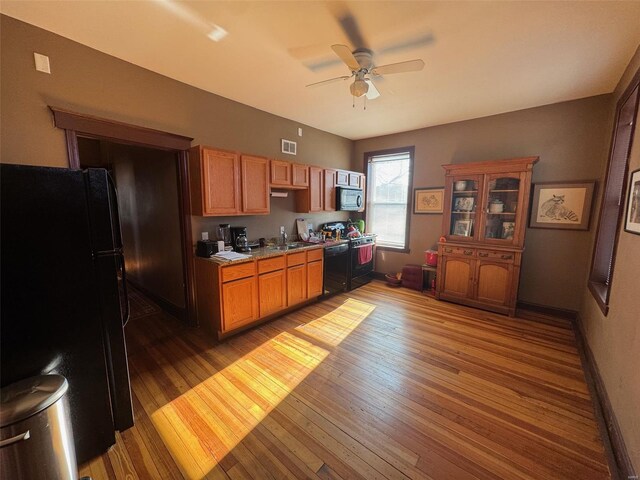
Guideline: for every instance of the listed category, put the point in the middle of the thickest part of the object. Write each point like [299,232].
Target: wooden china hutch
[485,212]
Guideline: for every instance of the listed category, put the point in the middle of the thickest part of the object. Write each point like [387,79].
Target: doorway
[150,168]
[147,184]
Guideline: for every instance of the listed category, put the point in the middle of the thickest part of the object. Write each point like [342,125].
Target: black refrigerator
[63,303]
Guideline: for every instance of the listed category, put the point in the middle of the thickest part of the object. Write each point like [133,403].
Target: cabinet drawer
[235,272]
[496,255]
[296,258]
[271,264]
[316,254]
[467,252]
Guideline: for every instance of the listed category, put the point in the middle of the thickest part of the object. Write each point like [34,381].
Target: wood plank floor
[378,383]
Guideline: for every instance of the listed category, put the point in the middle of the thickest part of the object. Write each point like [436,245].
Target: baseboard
[546,310]
[170,308]
[619,460]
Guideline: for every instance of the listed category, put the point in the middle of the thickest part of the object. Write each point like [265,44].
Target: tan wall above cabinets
[225,183]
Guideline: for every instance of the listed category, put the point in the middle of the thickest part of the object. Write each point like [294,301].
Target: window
[613,199]
[389,175]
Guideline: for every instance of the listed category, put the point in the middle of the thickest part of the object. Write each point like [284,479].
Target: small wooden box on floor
[484,224]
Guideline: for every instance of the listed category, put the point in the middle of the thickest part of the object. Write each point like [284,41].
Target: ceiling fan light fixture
[359,87]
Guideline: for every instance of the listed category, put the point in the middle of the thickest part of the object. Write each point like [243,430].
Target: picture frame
[428,200]
[508,230]
[464,204]
[632,214]
[562,205]
[462,228]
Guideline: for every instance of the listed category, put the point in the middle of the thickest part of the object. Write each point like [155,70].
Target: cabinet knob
[468,252]
[447,250]
[483,254]
[507,257]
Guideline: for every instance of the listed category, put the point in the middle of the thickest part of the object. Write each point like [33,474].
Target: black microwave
[349,199]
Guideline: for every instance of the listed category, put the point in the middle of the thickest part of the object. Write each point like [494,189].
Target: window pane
[388,194]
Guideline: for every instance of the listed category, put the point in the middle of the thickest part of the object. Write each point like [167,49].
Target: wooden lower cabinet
[479,277]
[230,297]
[272,292]
[314,278]
[239,303]
[296,284]
[458,277]
[493,282]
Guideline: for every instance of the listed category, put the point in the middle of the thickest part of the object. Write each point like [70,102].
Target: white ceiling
[486,57]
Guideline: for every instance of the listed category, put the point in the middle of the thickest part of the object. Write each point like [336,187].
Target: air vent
[289,147]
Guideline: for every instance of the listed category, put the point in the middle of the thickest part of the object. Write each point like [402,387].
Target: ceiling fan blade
[413,42]
[331,80]
[347,57]
[401,67]
[373,91]
[341,12]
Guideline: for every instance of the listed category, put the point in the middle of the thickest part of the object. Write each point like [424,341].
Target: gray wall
[615,339]
[87,81]
[571,139]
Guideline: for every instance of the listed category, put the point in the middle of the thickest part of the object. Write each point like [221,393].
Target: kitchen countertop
[266,252]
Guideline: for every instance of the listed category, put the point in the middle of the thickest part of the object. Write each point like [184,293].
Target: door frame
[80,125]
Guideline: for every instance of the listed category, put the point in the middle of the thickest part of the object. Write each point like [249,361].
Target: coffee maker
[239,239]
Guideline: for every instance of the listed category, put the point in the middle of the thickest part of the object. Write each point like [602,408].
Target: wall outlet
[299,131]
[205,236]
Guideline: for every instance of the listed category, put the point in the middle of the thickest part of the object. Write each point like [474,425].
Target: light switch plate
[205,236]
[42,62]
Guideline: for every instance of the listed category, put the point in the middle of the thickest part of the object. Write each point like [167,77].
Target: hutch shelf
[483,230]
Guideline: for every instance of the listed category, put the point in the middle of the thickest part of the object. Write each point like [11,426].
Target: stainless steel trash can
[36,440]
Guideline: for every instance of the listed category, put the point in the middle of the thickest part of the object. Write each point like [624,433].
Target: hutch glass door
[501,207]
[465,196]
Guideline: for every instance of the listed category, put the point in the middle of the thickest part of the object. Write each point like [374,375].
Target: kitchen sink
[288,246]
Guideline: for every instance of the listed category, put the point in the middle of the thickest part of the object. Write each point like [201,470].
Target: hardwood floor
[377,383]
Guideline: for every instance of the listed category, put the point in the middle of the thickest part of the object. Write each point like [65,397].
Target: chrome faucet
[283,236]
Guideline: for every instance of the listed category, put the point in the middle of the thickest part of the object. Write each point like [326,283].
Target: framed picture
[463,204]
[562,205]
[428,200]
[462,228]
[508,228]
[632,218]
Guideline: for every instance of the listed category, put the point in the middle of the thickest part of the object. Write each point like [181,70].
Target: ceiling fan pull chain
[365,102]
[354,100]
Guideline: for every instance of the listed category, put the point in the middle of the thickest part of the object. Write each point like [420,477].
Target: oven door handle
[365,245]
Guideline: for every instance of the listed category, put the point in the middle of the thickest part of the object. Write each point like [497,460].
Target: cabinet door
[280,173]
[255,184]
[463,207]
[314,279]
[458,277]
[220,182]
[342,178]
[315,189]
[501,209]
[300,175]
[354,179]
[239,303]
[296,284]
[493,282]
[272,288]
[329,195]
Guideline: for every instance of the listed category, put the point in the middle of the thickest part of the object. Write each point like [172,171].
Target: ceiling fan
[363,70]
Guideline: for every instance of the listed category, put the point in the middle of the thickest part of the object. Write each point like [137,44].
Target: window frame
[601,291]
[390,151]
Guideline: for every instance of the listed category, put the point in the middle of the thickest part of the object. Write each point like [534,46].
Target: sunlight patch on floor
[336,325]
[207,422]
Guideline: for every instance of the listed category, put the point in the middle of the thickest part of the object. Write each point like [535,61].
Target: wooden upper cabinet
[354,179]
[255,184]
[342,178]
[300,175]
[329,194]
[281,173]
[215,181]
[311,199]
